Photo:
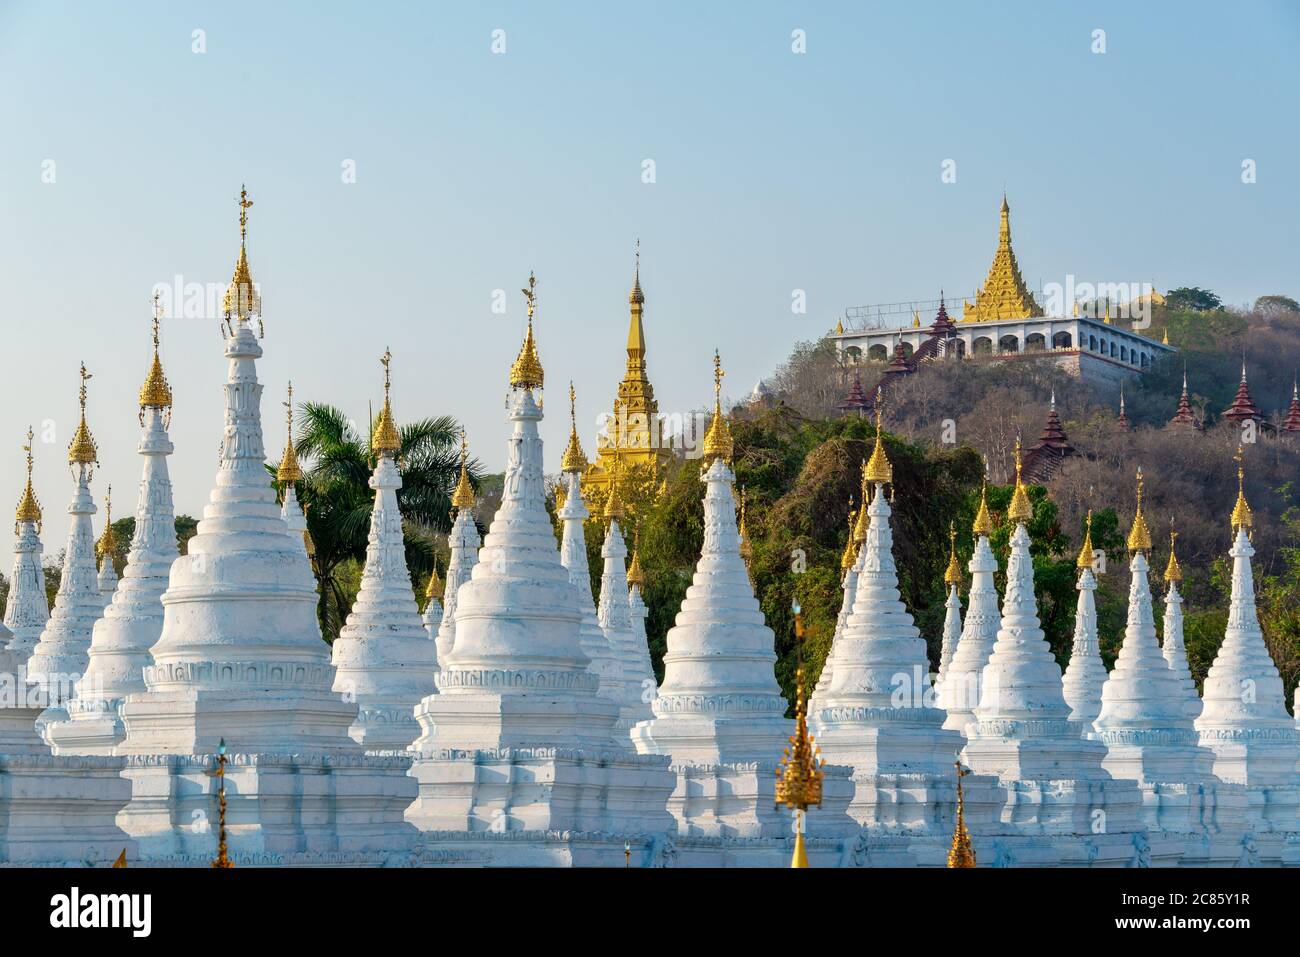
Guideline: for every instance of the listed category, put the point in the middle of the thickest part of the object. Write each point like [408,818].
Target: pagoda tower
[27,607]
[1173,648]
[432,616]
[1243,405]
[241,659]
[1148,734]
[1185,418]
[1244,720]
[383,658]
[1043,458]
[60,657]
[1004,294]
[1122,421]
[850,566]
[132,623]
[643,672]
[952,617]
[105,549]
[614,614]
[288,474]
[719,711]
[856,400]
[1086,674]
[1291,424]
[520,759]
[1056,785]
[960,691]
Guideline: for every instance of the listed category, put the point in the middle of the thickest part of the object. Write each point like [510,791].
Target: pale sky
[774,171]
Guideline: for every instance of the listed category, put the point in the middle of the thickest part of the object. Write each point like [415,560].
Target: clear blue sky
[774,172]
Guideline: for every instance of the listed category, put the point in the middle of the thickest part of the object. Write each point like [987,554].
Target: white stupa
[850,564]
[132,623]
[614,615]
[60,657]
[105,549]
[1244,720]
[719,711]
[643,672]
[241,659]
[1056,785]
[1174,650]
[288,474]
[1085,674]
[27,607]
[432,614]
[383,658]
[959,693]
[517,757]
[463,542]
[952,614]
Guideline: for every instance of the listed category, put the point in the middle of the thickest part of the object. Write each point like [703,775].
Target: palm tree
[336,495]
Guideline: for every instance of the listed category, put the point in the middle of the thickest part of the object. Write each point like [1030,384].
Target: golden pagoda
[1173,571]
[242,298]
[952,574]
[1242,517]
[850,554]
[1021,511]
[463,496]
[961,853]
[1139,536]
[289,470]
[29,507]
[983,524]
[435,587]
[1004,294]
[1086,550]
[155,393]
[106,547]
[718,443]
[863,521]
[526,372]
[386,439]
[635,574]
[633,438]
[82,450]
[878,470]
[799,778]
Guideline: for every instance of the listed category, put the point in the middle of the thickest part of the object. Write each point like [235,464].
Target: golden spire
[106,547]
[289,470]
[879,471]
[155,392]
[718,443]
[1085,558]
[614,504]
[839,327]
[435,587]
[864,520]
[573,459]
[463,497]
[242,299]
[82,450]
[1106,317]
[952,574]
[1020,511]
[746,550]
[961,853]
[1173,573]
[223,860]
[1139,538]
[850,554]
[636,297]
[386,440]
[1164,337]
[635,575]
[799,778]
[1241,514]
[29,508]
[1004,294]
[983,524]
[526,373]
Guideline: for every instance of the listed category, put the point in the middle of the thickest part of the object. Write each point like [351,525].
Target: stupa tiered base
[93,727]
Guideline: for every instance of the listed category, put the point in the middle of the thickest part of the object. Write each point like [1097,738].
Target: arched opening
[957,347]
[1062,340]
[854,354]
[982,346]
[1146,361]
[1035,342]
[1008,344]
[1114,350]
[878,353]
[907,349]
[1092,343]
[1123,353]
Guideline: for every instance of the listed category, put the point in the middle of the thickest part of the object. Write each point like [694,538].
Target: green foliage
[1194,298]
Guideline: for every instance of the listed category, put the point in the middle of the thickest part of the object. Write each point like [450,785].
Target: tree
[1192,298]
[1272,305]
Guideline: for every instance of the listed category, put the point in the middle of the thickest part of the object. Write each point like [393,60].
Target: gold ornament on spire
[573,459]
[1004,294]
[1085,558]
[961,853]
[1173,572]
[983,524]
[952,574]
[106,547]
[718,443]
[289,470]
[636,297]
[526,373]
[1021,511]
[614,504]
[799,778]
[635,575]
[1242,517]
[879,471]
[222,860]
[386,440]
[242,299]
[1139,537]
[29,508]
[155,393]
[82,450]
[463,497]
[863,521]
[850,554]
[435,587]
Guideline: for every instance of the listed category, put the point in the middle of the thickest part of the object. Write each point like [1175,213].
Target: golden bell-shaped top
[1173,571]
[242,298]
[463,497]
[961,853]
[526,373]
[799,777]
[435,587]
[82,450]
[1085,558]
[155,392]
[850,554]
[718,443]
[289,470]
[635,574]
[29,508]
[952,574]
[1139,537]
[106,547]
[636,297]
[573,459]
[386,440]
[863,521]
[879,471]
[1242,517]
[1020,511]
[614,504]
[983,524]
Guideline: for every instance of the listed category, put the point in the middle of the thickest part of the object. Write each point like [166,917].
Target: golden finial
[961,853]
[850,553]
[242,298]
[526,373]
[746,550]
[839,327]
[463,497]
[386,440]
[1085,558]
[1173,573]
[155,392]
[635,575]
[1020,511]
[222,860]
[1139,538]
[952,574]
[435,587]
[82,450]
[106,547]
[864,520]
[1164,337]
[636,297]
[573,459]
[289,470]
[1242,517]
[799,778]
[983,524]
[614,504]
[879,471]
[1106,318]
[718,443]
[29,508]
